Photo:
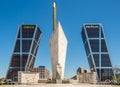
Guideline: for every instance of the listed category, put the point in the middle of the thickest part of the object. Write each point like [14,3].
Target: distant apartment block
[25,50]
[44,73]
[97,51]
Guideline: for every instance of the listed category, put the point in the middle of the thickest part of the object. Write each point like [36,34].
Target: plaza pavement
[58,85]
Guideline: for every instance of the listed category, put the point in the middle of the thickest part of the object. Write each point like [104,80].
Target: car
[113,82]
[9,82]
[2,82]
[107,81]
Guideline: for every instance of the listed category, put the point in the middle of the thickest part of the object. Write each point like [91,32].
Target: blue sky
[72,14]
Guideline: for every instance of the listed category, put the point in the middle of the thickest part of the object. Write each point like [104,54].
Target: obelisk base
[58,81]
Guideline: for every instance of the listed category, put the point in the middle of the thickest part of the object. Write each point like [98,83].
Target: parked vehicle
[2,82]
[114,82]
[107,81]
[9,82]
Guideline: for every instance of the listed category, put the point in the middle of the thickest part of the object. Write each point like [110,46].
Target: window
[105,60]
[18,34]
[102,36]
[27,32]
[24,60]
[13,73]
[26,44]
[91,63]
[106,74]
[34,47]
[96,59]
[32,63]
[36,51]
[15,61]
[94,45]
[37,36]
[83,35]
[93,32]
[103,46]
[29,60]
[17,46]
[87,48]
[98,73]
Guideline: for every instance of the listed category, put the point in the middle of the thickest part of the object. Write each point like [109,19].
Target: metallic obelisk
[58,49]
[54,16]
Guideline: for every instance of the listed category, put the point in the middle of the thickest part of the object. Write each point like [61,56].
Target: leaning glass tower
[97,51]
[25,50]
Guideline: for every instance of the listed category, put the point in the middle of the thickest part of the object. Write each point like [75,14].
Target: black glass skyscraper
[97,51]
[25,50]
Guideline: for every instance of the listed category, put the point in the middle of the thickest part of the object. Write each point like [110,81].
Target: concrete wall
[28,77]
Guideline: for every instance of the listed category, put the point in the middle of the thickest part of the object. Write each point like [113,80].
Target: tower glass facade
[25,50]
[97,51]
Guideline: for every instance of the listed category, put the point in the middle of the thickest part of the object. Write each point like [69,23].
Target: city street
[58,85]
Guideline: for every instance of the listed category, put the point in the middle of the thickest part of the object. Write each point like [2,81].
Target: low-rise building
[44,73]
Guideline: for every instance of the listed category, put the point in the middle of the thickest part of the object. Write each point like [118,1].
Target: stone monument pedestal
[58,81]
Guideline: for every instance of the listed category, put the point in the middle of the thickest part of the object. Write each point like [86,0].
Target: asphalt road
[58,85]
